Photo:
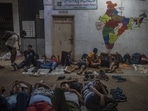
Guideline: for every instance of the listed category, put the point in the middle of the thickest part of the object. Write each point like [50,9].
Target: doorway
[6,21]
[63,31]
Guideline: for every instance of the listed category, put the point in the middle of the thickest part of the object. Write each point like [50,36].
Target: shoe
[119,98]
[88,72]
[116,91]
[25,69]
[101,72]
[14,66]
[121,79]
[50,70]
[79,73]
[2,89]
[116,77]
[61,78]
[66,72]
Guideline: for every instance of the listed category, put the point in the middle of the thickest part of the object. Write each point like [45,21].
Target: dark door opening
[6,19]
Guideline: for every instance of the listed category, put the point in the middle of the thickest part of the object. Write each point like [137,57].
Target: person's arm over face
[102,101]
[25,83]
[78,94]
[37,85]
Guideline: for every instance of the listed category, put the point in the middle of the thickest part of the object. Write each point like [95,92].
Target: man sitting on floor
[79,65]
[30,58]
[93,60]
[18,98]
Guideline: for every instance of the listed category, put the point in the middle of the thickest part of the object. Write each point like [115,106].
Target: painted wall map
[114,25]
[75,4]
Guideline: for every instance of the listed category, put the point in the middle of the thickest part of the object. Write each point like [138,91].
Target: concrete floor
[135,88]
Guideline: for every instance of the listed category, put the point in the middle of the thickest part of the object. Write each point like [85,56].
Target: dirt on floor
[135,87]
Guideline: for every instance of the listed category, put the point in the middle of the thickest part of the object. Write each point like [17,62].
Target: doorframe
[73,31]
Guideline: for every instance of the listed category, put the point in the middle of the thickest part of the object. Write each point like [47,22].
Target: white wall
[87,36]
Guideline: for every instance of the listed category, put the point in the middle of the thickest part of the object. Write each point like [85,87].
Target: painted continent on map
[114,25]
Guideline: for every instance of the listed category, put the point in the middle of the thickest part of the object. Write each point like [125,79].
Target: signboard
[75,4]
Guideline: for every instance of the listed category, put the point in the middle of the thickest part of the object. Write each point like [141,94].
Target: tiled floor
[135,87]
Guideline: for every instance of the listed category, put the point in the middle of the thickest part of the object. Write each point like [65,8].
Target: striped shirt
[87,92]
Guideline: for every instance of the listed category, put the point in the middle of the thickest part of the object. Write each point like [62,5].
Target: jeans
[49,65]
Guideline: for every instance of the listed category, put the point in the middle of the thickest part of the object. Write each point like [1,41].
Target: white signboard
[75,4]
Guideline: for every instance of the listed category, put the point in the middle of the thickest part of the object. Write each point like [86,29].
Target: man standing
[12,44]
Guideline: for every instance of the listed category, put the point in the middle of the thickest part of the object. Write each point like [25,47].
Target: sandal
[67,72]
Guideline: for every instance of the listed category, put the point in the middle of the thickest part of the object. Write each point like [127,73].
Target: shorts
[79,64]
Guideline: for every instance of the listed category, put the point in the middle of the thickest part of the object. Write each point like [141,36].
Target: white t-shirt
[13,41]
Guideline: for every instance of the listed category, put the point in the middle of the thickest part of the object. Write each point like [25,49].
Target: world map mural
[114,25]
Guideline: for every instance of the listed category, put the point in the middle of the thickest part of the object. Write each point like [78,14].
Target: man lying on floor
[18,98]
[45,63]
[96,99]
[62,98]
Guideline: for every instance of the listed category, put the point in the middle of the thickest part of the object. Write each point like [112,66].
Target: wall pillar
[48,6]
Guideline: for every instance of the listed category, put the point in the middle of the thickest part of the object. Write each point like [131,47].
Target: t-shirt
[38,98]
[13,41]
[29,54]
[91,57]
[11,99]
[87,93]
[41,94]
[69,96]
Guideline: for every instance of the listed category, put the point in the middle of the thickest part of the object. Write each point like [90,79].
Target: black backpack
[127,58]
[7,34]
[136,58]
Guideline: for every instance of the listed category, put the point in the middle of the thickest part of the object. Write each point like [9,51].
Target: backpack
[119,58]
[136,57]
[144,59]
[127,58]
[7,34]
[104,60]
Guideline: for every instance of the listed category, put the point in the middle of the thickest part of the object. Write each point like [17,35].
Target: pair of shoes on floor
[119,78]
[88,77]
[117,95]
[102,76]
[119,98]
[116,91]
